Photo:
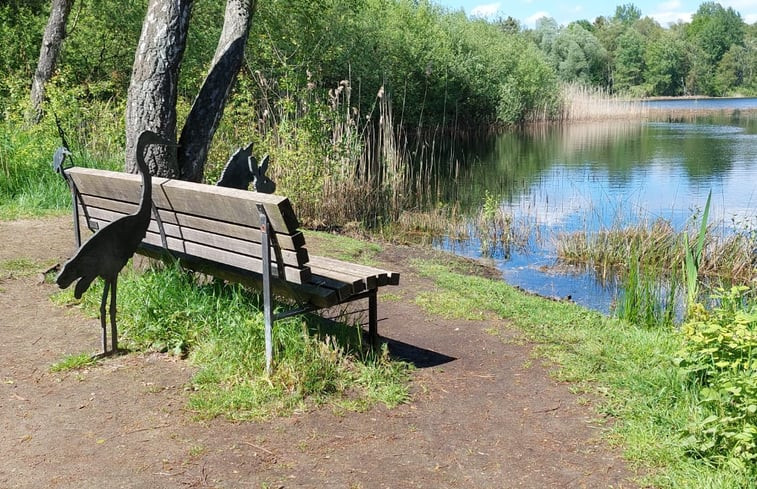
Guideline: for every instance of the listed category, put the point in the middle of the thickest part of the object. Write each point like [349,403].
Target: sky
[528,11]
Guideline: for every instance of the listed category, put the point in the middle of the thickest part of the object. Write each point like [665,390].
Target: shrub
[719,358]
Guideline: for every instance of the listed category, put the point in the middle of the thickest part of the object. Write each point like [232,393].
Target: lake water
[599,176]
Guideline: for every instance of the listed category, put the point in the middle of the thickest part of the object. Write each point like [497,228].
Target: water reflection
[556,179]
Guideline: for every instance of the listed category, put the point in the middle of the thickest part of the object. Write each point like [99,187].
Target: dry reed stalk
[582,103]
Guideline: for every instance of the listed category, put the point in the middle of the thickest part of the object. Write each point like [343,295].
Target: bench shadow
[352,337]
[418,356]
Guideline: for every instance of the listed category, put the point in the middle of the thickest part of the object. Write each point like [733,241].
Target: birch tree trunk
[207,109]
[52,40]
[151,100]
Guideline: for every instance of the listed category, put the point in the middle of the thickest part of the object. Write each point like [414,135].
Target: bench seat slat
[360,282]
[383,277]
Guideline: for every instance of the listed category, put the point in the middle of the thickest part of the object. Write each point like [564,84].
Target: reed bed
[583,103]
[699,114]
[657,246]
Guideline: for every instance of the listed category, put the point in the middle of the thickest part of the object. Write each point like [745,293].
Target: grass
[344,247]
[626,369]
[73,362]
[219,327]
[21,267]
[28,185]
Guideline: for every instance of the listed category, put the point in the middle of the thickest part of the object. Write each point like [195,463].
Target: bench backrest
[217,224]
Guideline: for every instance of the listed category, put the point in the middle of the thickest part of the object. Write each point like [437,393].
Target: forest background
[339,88]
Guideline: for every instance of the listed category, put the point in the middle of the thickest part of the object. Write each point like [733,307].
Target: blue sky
[528,11]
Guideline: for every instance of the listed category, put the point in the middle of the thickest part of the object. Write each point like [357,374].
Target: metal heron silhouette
[108,250]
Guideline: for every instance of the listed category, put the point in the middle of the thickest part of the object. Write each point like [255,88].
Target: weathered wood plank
[286,241]
[318,295]
[344,289]
[244,242]
[296,275]
[226,204]
[123,208]
[359,283]
[384,277]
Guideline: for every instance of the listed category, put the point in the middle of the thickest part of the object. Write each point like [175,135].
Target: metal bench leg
[373,319]
[267,295]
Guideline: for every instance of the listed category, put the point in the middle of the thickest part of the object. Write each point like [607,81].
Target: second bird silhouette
[108,250]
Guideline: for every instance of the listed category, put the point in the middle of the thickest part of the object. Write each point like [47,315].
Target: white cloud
[485,10]
[666,18]
[669,6]
[531,21]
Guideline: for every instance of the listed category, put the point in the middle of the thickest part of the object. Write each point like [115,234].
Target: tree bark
[52,40]
[151,101]
[207,109]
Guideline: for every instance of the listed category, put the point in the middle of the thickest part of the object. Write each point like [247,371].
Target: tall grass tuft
[693,258]
[219,326]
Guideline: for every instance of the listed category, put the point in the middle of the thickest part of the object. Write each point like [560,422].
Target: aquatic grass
[584,103]
[627,371]
[660,247]
[693,258]
[647,299]
[219,328]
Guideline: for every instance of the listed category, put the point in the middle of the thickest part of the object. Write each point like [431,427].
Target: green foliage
[73,362]
[442,66]
[21,28]
[719,358]
[693,258]
[627,13]
[629,61]
[712,32]
[665,62]
[220,327]
[574,52]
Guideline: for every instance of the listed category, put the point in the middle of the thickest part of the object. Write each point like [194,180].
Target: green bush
[719,356]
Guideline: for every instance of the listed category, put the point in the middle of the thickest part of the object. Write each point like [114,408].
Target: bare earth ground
[484,413]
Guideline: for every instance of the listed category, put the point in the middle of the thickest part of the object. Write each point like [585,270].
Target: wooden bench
[235,235]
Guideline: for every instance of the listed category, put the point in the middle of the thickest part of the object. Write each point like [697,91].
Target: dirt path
[483,413]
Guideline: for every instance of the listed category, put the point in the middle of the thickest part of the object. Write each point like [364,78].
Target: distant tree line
[715,54]
[438,66]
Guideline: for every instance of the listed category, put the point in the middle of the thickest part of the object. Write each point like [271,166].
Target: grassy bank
[219,328]
[661,414]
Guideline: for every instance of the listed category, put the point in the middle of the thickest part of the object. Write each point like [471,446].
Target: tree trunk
[151,102]
[207,109]
[52,41]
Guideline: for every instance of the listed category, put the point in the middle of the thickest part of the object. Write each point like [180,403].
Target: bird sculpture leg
[106,287]
[113,328]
